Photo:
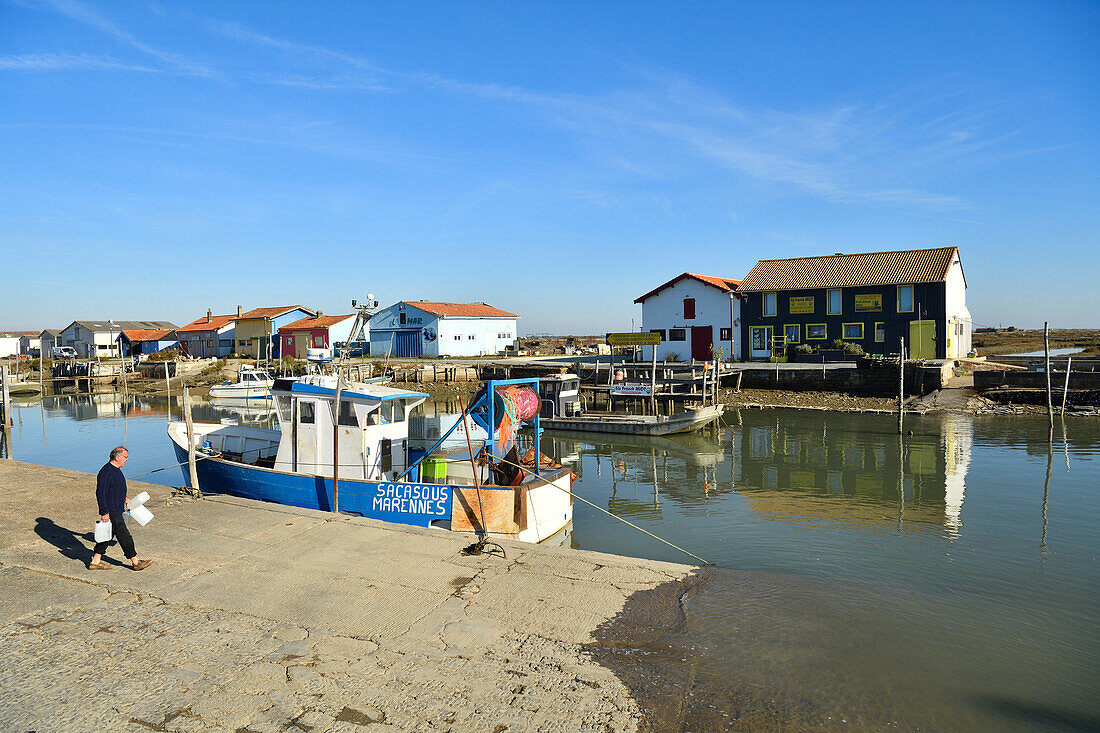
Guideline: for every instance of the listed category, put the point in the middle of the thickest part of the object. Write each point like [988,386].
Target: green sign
[803,304]
[641,338]
[868,303]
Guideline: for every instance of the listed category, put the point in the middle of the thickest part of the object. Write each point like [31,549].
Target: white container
[103,531]
[138,500]
[141,515]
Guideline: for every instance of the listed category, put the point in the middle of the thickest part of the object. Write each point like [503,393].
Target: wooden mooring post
[1065,389]
[1046,352]
[5,395]
[192,469]
[901,385]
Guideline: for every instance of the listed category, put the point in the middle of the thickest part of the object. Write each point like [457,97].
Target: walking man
[110,492]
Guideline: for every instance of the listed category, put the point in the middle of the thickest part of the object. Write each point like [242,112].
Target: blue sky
[554,159]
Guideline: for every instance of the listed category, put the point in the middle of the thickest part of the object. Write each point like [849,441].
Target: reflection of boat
[294,465]
[690,419]
[251,383]
[18,388]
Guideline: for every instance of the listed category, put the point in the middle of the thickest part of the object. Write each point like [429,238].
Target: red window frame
[689,308]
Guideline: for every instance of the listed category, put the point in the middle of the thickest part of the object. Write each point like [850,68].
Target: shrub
[853,348]
[672,356]
[803,349]
[166,355]
[838,343]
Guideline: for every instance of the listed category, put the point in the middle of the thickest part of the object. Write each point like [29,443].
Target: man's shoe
[142,564]
[98,566]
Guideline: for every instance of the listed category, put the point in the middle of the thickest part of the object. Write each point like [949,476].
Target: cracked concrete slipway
[257,617]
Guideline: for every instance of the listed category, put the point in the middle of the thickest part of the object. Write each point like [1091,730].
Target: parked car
[63,352]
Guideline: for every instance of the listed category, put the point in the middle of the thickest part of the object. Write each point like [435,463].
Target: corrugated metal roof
[469,310]
[124,325]
[724,284]
[315,322]
[851,270]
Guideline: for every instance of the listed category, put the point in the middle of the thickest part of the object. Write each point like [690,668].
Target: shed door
[922,336]
[301,343]
[701,340]
[407,343]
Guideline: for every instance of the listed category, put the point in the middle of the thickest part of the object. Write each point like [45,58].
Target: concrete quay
[257,617]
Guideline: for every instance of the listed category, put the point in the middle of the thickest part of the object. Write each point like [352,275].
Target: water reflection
[808,467]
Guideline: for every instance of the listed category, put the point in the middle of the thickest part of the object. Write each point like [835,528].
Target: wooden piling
[5,416]
[901,385]
[192,469]
[1046,352]
[1065,389]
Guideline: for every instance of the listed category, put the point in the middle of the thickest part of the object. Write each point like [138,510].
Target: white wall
[665,310]
[956,308]
[475,336]
[9,345]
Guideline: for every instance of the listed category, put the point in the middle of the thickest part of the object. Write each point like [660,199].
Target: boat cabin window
[305,412]
[551,388]
[573,384]
[282,404]
[391,411]
[347,414]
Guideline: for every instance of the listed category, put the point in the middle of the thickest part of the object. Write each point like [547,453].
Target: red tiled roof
[851,270]
[315,322]
[215,323]
[725,284]
[469,310]
[148,334]
[271,312]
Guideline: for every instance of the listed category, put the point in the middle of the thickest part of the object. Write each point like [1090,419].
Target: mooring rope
[610,514]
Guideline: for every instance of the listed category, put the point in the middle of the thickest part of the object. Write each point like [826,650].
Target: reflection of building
[804,465]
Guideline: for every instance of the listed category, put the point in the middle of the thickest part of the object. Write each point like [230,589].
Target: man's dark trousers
[122,534]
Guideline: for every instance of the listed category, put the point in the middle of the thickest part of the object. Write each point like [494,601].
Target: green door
[922,339]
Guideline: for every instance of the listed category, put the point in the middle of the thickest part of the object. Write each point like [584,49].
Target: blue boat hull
[404,503]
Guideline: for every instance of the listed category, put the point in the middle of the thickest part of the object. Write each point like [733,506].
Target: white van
[63,352]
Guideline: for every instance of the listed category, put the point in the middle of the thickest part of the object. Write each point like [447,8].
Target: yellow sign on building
[802,304]
[868,303]
[641,338]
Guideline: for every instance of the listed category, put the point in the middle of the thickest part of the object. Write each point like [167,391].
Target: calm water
[937,583]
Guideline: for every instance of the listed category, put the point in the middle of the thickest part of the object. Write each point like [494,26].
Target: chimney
[319,314]
[238,311]
[209,313]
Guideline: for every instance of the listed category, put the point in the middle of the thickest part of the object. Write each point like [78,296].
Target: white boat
[251,384]
[379,476]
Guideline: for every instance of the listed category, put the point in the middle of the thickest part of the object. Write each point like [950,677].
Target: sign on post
[631,390]
[639,338]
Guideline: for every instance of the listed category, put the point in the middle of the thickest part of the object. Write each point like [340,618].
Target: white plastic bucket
[138,500]
[103,531]
[141,515]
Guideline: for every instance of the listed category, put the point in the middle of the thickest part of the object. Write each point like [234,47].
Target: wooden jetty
[686,421]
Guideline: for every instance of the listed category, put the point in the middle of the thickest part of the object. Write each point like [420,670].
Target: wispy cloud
[67,62]
[86,14]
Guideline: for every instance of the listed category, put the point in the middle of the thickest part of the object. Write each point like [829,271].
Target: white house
[30,343]
[100,338]
[9,343]
[426,328]
[698,317]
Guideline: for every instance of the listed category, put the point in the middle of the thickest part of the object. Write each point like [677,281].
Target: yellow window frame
[851,338]
[828,301]
[798,338]
[877,339]
[812,338]
[764,305]
[912,298]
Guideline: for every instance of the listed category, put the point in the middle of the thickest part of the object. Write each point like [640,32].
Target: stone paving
[257,617]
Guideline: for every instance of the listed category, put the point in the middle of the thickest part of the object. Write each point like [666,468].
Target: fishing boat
[560,407]
[495,487]
[251,384]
